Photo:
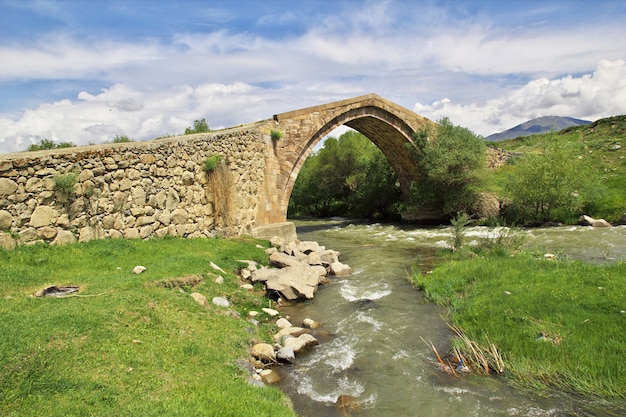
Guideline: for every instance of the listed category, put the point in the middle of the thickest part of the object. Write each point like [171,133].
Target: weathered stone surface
[270,376]
[340,270]
[167,175]
[7,241]
[294,282]
[6,219]
[179,216]
[64,237]
[7,187]
[301,343]
[220,302]
[286,354]
[282,260]
[139,269]
[200,299]
[264,352]
[43,216]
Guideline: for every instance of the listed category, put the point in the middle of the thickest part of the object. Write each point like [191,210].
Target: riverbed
[377,328]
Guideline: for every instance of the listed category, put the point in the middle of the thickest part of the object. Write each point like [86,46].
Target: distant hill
[544,124]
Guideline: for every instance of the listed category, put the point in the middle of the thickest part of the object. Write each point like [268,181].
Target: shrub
[199,126]
[64,183]
[211,163]
[276,134]
[121,139]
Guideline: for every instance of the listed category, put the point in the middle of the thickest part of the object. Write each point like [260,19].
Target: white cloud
[138,114]
[590,96]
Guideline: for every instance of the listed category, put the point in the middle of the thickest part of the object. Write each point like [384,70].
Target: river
[375,328]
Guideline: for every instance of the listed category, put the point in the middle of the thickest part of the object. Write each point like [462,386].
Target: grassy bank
[558,324]
[126,344]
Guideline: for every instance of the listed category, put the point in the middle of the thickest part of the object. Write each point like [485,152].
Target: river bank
[557,323]
[377,319]
[132,343]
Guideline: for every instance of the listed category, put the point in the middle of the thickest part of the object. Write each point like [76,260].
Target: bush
[199,126]
[551,185]
[64,183]
[276,134]
[211,163]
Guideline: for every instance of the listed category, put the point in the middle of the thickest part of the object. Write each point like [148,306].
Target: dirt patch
[56,291]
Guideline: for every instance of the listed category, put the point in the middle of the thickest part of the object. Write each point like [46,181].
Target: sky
[86,71]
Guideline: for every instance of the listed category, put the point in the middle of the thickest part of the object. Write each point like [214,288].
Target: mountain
[544,124]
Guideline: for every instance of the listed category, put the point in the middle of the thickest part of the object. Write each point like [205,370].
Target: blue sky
[87,70]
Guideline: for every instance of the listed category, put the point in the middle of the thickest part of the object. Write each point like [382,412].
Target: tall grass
[126,344]
[557,324]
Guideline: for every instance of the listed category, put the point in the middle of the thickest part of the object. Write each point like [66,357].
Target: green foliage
[459,227]
[276,134]
[551,185]
[349,176]
[45,144]
[451,161]
[121,139]
[557,323]
[199,126]
[126,345]
[210,164]
[602,145]
[64,183]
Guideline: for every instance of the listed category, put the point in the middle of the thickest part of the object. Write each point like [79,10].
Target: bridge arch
[388,125]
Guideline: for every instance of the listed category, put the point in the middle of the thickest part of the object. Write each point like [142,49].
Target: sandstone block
[43,216]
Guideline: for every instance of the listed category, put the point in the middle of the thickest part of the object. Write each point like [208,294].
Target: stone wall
[134,190]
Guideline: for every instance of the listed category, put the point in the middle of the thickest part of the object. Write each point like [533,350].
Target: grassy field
[557,324]
[126,344]
[604,141]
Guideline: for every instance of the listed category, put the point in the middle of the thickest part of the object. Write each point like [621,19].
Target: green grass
[599,141]
[127,345]
[579,308]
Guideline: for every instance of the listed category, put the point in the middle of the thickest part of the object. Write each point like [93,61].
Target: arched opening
[389,134]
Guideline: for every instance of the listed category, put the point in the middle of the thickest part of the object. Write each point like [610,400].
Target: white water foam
[345,386]
[351,291]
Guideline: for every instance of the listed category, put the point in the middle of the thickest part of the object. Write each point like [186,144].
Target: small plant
[459,224]
[64,183]
[121,139]
[211,163]
[276,134]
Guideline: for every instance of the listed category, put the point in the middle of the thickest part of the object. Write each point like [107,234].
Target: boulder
[282,260]
[270,376]
[264,352]
[340,270]
[310,324]
[300,343]
[6,220]
[585,220]
[622,220]
[220,302]
[286,354]
[600,223]
[282,323]
[64,237]
[200,299]
[292,331]
[308,246]
[295,282]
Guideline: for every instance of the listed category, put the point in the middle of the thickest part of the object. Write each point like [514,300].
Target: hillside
[604,141]
[544,124]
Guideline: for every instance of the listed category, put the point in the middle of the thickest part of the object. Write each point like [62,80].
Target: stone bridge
[160,187]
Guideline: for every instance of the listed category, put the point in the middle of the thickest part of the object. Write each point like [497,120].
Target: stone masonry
[139,190]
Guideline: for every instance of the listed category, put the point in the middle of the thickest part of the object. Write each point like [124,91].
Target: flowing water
[375,327]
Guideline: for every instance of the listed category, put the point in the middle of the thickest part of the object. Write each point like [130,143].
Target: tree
[349,176]
[550,185]
[199,126]
[451,163]
[45,144]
